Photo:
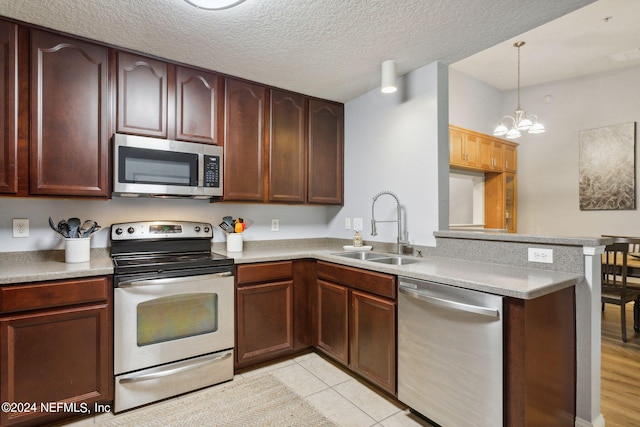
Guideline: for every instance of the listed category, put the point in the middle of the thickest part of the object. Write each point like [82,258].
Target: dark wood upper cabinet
[326,161]
[199,108]
[69,135]
[142,95]
[287,148]
[8,107]
[244,141]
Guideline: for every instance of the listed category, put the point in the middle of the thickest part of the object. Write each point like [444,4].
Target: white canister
[77,250]
[234,242]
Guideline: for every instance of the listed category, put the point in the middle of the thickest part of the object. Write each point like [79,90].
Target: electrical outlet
[541,255]
[357,224]
[275,225]
[347,223]
[20,227]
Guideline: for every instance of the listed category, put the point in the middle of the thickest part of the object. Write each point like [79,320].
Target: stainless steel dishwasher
[450,353]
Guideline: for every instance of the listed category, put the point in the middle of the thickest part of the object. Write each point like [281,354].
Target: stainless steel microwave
[151,167]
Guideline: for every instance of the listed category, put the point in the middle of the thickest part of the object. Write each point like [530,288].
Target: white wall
[548,163]
[295,221]
[392,144]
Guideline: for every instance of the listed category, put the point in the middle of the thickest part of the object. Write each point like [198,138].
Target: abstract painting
[607,168]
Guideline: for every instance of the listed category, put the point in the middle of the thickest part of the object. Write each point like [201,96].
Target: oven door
[157,321]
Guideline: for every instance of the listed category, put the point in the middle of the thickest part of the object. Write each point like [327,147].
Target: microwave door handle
[167,281]
[176,370]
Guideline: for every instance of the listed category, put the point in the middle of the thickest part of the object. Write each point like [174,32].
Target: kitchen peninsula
[486,262]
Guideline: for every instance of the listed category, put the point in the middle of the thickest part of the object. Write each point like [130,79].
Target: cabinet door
[264,321]
[8,108]
[373,339]
[463,148]
[510,211]
[489,154]
[509,158]
[244,178]
[198,106]
[326,134]
[69,117]
[142,95]
[287,148]
[55,356]
[332,323]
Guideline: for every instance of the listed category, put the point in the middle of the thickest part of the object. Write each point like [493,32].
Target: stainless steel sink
[396,260]
[365,256]
[379,258]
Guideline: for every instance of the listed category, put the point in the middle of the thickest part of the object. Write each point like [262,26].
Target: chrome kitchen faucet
[399,241]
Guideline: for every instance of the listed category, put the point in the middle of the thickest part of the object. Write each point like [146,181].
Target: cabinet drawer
[54,294]
[376,283]
[264,272]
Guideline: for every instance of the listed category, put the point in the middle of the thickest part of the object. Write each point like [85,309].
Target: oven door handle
[168,280]
[172,371]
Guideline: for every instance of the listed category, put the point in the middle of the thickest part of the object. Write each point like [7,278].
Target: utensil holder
[77,250]
[234,242]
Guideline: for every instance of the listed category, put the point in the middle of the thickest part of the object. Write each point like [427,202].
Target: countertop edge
[516,282]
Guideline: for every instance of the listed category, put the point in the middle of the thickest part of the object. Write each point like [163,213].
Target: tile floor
[335,393]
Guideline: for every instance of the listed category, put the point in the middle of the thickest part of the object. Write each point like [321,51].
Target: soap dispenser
[357,239]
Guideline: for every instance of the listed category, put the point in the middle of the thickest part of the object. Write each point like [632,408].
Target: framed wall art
[607,168]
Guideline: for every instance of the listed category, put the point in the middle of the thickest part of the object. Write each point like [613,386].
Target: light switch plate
[275,224]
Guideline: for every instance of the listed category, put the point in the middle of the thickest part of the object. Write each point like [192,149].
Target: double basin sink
[379,258]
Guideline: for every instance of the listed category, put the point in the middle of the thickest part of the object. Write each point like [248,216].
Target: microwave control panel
[212,171]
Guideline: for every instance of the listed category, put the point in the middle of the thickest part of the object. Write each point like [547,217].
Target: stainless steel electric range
[173,311]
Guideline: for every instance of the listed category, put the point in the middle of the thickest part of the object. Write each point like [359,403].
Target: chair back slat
[614,267]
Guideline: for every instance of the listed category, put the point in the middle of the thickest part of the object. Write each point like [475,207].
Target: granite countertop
[25,267]
[517,282]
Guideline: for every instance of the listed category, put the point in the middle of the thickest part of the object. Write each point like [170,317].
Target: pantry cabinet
[69,117]
[356,321]
[8,108]
[55,346]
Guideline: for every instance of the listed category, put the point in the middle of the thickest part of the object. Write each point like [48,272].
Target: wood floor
[620,370]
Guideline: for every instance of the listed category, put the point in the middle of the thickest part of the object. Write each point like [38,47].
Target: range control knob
[118,231]
[131,230]
[197,228]
[206,229]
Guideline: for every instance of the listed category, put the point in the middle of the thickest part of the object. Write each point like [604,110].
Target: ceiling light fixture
[521,122]
[388,77]
[214,4]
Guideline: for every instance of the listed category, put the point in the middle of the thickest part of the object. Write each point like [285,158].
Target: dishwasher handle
[453,305]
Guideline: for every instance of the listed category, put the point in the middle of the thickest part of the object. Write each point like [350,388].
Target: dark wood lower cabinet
[333,320]
[356,321]
[56,360]
[272,310]
[540,360]
[373,339]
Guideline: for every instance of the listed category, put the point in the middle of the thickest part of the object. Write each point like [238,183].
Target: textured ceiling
[326,48]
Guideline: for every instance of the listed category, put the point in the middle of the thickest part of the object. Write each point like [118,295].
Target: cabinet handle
[506,164]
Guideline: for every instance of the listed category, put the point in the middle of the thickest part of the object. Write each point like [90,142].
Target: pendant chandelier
[521,121]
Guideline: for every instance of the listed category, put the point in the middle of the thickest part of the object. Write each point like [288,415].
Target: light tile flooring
[335,393]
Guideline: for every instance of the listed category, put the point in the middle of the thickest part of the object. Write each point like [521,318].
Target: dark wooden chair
[614,284]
